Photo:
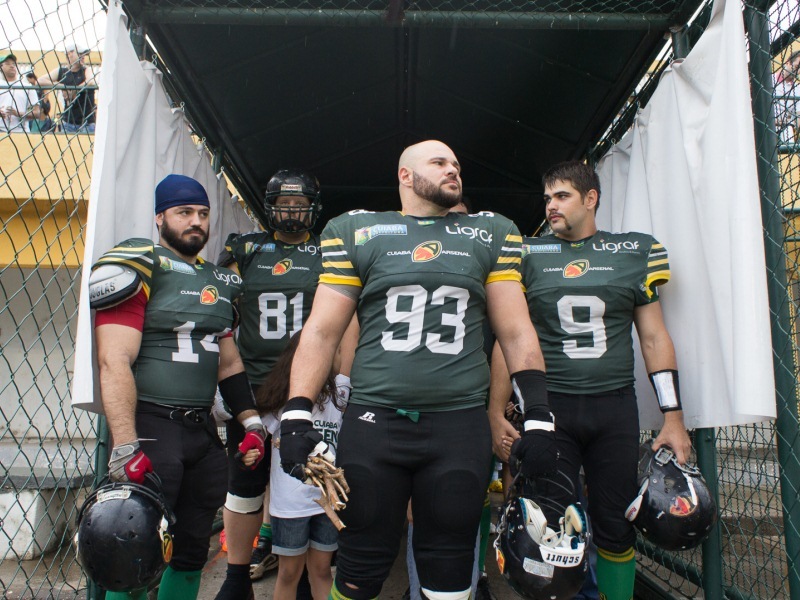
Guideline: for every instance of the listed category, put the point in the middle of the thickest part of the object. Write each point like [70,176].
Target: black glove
[536,450]
[298,436]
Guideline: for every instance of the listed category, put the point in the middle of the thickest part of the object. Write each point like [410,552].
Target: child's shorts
[292,537]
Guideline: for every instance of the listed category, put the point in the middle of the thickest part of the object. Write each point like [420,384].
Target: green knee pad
[179,585]
[616,574]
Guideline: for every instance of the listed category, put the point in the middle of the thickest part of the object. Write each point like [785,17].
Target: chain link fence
[47,450]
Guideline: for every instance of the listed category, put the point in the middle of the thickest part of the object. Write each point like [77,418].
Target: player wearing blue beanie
[179,190]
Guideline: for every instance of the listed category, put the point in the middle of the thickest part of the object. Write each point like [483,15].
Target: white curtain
[686,173]
[139,140]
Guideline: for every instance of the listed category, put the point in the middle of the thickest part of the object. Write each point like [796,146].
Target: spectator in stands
[78,114]
[43,123]
[786,99]
[17,104]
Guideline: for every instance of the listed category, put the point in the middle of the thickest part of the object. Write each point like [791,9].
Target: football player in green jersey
[585,289]
[422,282]
[162,331]
[280,269]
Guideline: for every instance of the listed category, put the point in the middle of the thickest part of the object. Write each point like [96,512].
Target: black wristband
[530,387]
[297,409]
[236,393]
[667,388]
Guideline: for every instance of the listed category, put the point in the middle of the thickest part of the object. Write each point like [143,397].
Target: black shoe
[406,594]
[263,559]
[483,592]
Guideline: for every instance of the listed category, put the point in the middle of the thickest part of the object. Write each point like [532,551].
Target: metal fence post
[766,139]
[705,445]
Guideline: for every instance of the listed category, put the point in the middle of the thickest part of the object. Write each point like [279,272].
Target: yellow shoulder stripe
[340,279]
[346,264]
[332,242]
[514,238]
[504,276]
[509,260]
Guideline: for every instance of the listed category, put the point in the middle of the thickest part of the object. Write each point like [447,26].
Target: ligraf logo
[282,267]
[576,268]
[426,251]
[209,295]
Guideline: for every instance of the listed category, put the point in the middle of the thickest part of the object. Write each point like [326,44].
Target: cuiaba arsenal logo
[576,268]
[682,506]
[209,295]
[426,251]
[282,267]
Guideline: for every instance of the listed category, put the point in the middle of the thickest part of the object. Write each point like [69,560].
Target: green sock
[265,531]
[486,521]
[140,594]
[179,585]
[616,574]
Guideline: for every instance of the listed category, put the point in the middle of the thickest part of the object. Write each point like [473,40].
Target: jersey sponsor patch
[365,234]
[168,264]
[541,249]
[209,295]
[228,278]
[251,247]
[472,233]
[426,251]
[626,247]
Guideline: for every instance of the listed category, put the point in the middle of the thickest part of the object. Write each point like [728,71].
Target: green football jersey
[422,302]
[189,307]
[581,297]
[279,284]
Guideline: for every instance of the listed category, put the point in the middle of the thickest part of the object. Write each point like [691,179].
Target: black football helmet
[539,562]
[674,509]
[123,540]
[292,182]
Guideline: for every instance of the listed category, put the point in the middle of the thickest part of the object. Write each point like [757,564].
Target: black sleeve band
[667,388]
[237,394]
[530,387]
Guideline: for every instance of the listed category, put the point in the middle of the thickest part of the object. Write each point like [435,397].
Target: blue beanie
[179,190]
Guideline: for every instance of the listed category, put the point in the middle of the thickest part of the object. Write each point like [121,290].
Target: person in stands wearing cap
[78,113]
[17,104]
[163,337]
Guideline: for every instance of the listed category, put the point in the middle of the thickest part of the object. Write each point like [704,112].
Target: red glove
[254,437]
[129,463]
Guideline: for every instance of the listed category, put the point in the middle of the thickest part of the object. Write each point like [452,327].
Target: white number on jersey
[595,325]
[185,351]
[274,305]
[415,319]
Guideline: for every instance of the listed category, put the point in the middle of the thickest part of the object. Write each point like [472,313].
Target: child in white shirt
[302,535]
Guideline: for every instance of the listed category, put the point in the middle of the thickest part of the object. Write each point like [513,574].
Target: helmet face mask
[541,562]
[123,540]
[287,218]
[674,509]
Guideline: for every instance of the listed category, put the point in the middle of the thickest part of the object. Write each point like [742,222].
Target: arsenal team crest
[426,251]
[576,268]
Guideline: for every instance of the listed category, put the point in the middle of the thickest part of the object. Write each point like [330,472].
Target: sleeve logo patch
[541,249]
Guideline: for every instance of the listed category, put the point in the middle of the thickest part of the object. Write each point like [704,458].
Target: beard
[186,247]
[427,190]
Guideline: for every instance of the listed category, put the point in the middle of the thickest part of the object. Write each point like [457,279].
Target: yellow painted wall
[44,189]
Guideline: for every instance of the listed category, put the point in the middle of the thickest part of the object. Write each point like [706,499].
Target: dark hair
[273,394]
[582,177]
